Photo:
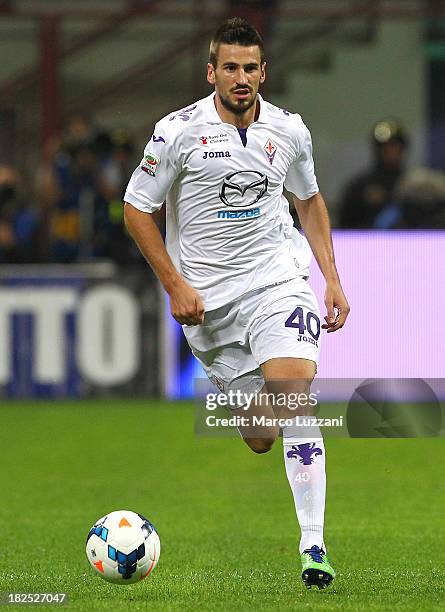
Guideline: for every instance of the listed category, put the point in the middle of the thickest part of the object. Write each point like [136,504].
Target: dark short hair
[235,31]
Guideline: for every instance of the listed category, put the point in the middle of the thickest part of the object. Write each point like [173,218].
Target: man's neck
[239,121]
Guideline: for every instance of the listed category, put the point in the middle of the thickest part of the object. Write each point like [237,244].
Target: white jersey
[229,229]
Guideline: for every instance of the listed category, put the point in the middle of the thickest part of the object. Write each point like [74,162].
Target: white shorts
[281,320]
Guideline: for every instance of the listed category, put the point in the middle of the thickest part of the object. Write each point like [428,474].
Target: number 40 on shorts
[311,322]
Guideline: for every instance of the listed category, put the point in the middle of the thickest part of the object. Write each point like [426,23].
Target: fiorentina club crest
[304,452]
[270,149]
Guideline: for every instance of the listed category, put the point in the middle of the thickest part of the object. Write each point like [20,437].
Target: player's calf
[260,445]
[257,424]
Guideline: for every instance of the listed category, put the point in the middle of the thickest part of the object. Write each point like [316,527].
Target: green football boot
[316,570]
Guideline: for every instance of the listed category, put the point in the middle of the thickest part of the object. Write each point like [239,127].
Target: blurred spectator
[419,202]
[78,128]
[369,193]
[76,211]
[18,222]
[81,186]
[116,169]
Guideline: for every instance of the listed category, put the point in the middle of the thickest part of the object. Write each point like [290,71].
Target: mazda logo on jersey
[243,188]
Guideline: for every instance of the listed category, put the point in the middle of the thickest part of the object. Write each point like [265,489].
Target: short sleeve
[153,178]
[300,178]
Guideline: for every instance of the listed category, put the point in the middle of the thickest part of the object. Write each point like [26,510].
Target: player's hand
[337,307]
[186,305]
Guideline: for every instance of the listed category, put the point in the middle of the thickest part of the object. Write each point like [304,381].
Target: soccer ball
[123,547]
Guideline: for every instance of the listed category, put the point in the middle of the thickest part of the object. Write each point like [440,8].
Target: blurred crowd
[388,195]
[74,212]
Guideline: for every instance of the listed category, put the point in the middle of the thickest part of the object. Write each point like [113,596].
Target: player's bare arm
[185,302]
[315,223]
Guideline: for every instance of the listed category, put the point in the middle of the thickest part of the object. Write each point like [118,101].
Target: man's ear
[263,73]
[211,73]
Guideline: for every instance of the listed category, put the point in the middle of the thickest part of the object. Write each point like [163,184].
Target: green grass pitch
[225,516]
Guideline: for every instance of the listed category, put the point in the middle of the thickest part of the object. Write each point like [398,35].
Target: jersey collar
[213,117]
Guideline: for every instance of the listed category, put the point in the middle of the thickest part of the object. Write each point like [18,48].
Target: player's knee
[260,445]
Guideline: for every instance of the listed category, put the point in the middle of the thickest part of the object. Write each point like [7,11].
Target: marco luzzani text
[291,401]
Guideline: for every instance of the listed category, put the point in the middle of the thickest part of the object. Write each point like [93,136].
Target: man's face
[392,154]
[237,76]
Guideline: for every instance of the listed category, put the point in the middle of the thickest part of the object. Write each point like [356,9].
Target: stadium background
[81,87]
[81,316]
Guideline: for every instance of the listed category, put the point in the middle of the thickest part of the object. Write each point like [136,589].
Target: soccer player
[234,266]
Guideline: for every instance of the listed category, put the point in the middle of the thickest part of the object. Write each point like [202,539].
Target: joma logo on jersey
[239,214]
[212,154]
